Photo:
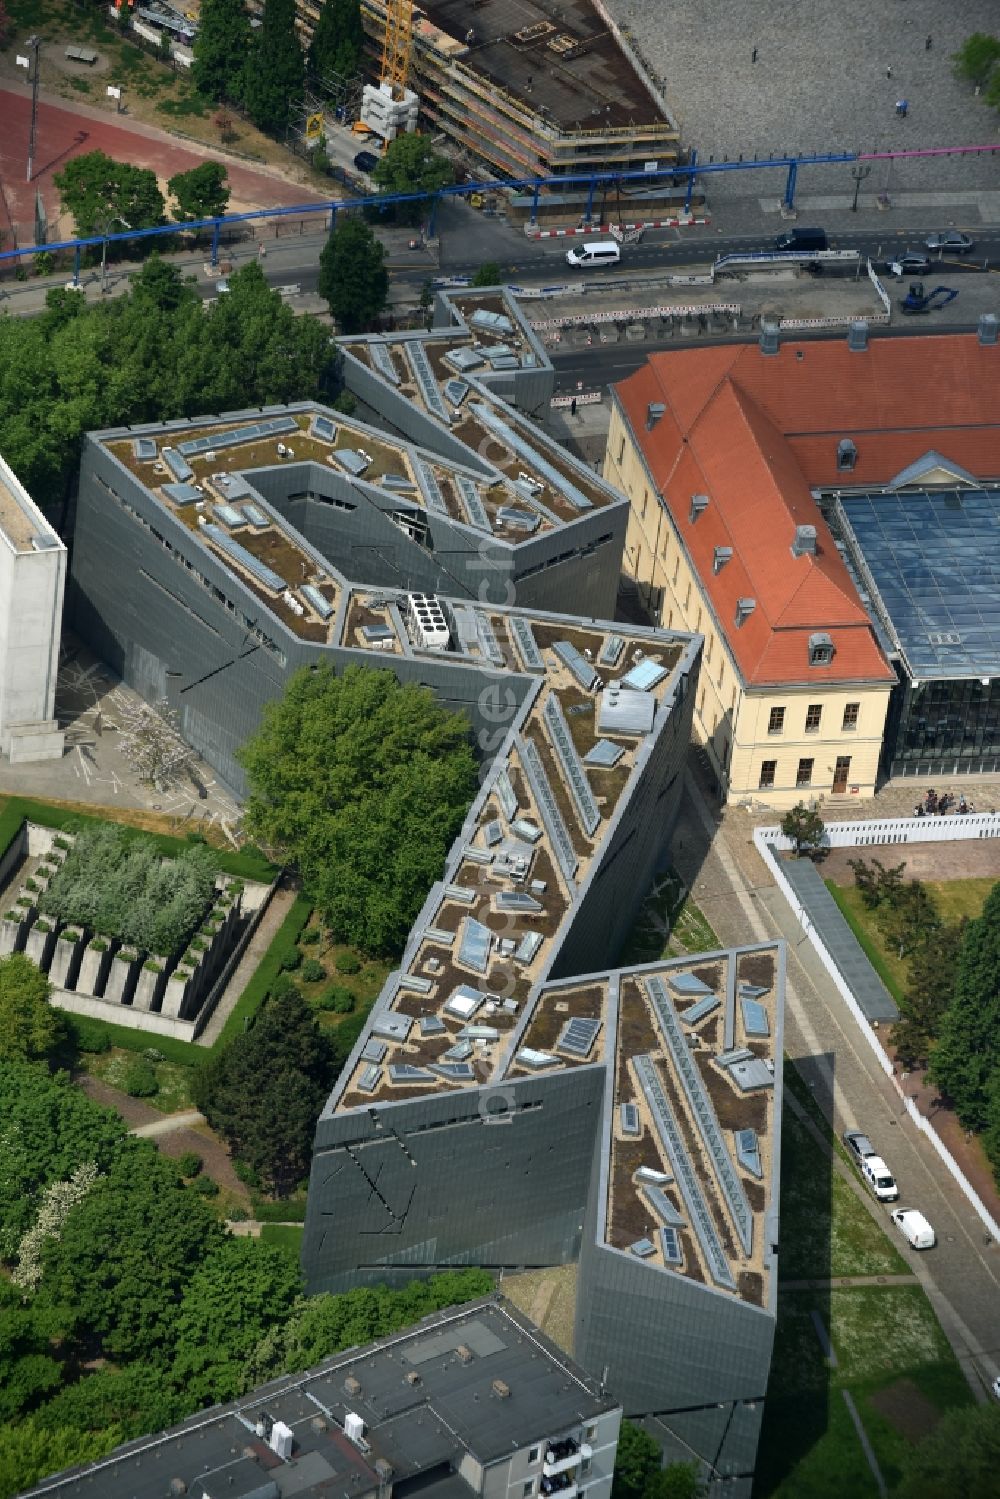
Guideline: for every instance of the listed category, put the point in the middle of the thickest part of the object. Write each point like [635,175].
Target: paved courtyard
[819,84]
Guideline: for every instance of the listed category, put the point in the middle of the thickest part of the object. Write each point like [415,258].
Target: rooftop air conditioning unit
[354,1427]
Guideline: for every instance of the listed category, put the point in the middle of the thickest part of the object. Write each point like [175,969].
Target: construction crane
[397,44]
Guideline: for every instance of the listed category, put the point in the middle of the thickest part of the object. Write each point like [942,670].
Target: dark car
[366,161]
[858,1144]
[953,242]
[910,263]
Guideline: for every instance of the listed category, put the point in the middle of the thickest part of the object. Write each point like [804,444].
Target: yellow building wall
[731,720]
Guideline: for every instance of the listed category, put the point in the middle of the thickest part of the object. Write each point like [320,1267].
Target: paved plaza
[819,84]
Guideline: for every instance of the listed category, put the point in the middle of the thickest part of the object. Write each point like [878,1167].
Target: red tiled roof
[727,437]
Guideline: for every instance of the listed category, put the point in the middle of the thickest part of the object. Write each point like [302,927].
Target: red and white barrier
[533,232]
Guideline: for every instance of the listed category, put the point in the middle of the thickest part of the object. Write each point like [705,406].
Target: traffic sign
[314,127]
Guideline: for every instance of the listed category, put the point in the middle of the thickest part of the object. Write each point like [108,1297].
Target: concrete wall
[31,602]
[494,1177]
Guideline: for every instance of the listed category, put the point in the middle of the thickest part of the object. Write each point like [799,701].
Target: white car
[914,1227]
[878,1178]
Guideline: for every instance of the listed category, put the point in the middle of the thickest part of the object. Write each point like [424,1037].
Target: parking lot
[819,84]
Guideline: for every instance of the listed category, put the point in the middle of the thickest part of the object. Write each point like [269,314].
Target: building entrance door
[841,773]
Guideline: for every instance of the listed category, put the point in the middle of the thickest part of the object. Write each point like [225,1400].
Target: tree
[221,48]
[31,1029]
[488,274]
[234,1297]
[991,1131]
[28,1372]
[363,783]
[201,193]
[875,883]
[134,1400]
[264,1090]
[910,918]
[107,197]
[961,1455]
[338,42]
[4,27]
[353,279]
[29,1451]
[929,989]
[804,826]
[977,57]
[409,165]
[637,1461]
[968,1049]
[160,286]
[675,1481]
[274,77]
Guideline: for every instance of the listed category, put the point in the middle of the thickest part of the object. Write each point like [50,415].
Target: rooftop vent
[178,1486]
[413,1377]
[820,649]
[501,1389]
[721,556]
[352,1385]
[988,328]
[847,455]
[857,336]
[804,543]
[654,411]
[744,609]
[769,338]
[464,1353]
[699,502]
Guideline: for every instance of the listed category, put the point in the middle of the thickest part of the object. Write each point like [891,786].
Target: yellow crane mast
[397,45]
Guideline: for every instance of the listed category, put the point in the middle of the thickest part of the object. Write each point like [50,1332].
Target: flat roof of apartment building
[478,1380]
[23,527]
[562,63]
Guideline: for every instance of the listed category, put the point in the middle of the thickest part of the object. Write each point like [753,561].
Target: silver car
[952,242]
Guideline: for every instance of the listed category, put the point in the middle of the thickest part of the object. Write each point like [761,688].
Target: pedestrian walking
[888,71]
[928,43]
[753,55]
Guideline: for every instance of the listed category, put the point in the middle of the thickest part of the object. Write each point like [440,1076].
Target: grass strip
[868,945]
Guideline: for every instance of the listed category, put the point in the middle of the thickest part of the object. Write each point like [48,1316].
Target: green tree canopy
[363,783]
[636,1463]
[338,42]
[221,48]
[488,274]
[134,1400]
[234,1297]
[930,986]
[108,197]
[968,1049]
[31,1029]
[29,1451]
[274,78]
[804,826]
[410,165]
[202,193]
[977,57]
[352,275]
[264,1090]
[961,1456]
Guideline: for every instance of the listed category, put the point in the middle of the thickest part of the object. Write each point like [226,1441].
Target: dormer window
[699,503]
[847,456]
[820,650]
[721,556]
[744,609]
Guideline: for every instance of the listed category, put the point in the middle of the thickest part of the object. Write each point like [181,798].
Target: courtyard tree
[338,42]
[106,196]
[804,826]
[968,1049]
[410,165]
[353,279]
[637,1461]
[274,77]
[363,783]
[991,1131]
[31,1028]
[220,49]
[959,1456]
[977,57]
[202,193]
[488,274]
[930,986]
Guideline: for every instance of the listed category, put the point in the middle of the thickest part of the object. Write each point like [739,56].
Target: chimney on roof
[988,328]
[654,411]
[413,1377]
[699,502]
[744,609]
[501,1389]
[804,541]
[769,338]
[464,1354]
[720,558]
[352,1385]
[857,336]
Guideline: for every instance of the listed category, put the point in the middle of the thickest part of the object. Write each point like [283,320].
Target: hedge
[291,1211]
[283,943]
[286,1235]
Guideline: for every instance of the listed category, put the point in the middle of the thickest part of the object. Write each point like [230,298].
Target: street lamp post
[859,173]
[105,227]
[34,42]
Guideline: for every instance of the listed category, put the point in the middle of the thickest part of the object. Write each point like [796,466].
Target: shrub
[310,936]
[291,960]
[205,1186]
[139,1080]
[61,842]
[312,971]
[347,962]
[190,1163]
[43,926]
[69,935]
[152,967]
[31,884]
[97,944]
[90,1037]
[14,916]
[338,999]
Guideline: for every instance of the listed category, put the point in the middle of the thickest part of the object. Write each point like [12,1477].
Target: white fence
[762,838]
[888,830]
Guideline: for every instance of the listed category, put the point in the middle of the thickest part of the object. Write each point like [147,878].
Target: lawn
[288,1235]
[892,1356]
[669,925]
[173,1079]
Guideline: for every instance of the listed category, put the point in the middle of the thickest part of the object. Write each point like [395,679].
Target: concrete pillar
[176,991]
[145,988]
[39,944]
[122,977]
[66,958]
[94,965]
[12,934]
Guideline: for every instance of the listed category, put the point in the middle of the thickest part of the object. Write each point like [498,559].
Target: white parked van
[595,252]
[877,1176]
[914,1227]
